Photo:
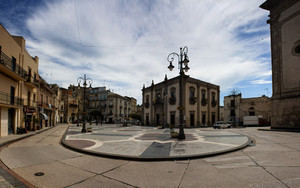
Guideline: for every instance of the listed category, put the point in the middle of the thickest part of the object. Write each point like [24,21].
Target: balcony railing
[46,105]
[30,103]
[193,100]
[32,80]
[8,99]
[9,64]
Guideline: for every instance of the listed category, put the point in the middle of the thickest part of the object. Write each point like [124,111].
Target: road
[272,161]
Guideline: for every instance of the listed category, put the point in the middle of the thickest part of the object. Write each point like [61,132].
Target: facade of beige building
[119,107]
[285,46]
[236,107]
[109,107]
[200,103]
[18,86]
[46,100]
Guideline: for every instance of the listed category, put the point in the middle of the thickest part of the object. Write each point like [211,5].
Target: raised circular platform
[149,143]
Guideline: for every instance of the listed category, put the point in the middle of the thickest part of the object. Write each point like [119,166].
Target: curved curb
[139,158]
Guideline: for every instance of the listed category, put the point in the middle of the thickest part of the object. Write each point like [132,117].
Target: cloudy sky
[123,44]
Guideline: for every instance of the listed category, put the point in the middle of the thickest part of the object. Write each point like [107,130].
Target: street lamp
[182,65]
[84,81]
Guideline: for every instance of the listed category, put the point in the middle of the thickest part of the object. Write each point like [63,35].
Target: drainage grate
[39,174]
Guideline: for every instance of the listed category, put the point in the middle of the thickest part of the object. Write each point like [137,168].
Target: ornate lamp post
[84,81]
[182,65]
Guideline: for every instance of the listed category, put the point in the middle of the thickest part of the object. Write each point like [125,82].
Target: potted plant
[89,129]
[173,133]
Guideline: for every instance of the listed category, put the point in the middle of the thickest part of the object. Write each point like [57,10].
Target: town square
[149,93]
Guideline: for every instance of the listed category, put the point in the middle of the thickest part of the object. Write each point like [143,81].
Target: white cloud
[261,82]
[125,43]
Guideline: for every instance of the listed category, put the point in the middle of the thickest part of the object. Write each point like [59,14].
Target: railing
[31,80]
[7,62]
[31,103]
[8,99]
[193,100]
[46,105]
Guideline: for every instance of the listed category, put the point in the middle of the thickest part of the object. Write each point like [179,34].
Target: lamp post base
[181,135]
[83,130]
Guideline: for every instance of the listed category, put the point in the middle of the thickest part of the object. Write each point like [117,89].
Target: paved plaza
[271,160]
[151,143]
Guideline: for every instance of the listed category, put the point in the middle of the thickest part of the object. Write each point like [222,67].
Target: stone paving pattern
[271,161]
[137,142]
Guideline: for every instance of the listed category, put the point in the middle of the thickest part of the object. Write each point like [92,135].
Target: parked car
[221,125]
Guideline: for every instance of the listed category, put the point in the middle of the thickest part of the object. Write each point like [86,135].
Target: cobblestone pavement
[151,143]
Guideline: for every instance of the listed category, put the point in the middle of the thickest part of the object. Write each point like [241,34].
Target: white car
[221,125]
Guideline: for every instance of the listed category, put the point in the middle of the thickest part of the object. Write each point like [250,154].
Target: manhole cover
[39,174]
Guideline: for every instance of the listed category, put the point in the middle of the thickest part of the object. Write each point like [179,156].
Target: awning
[44,116]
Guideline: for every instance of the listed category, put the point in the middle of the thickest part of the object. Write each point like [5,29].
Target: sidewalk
[151,144]
[7,177]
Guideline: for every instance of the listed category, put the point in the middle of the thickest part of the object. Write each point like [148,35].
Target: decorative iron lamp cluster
[182,65]
[84,80]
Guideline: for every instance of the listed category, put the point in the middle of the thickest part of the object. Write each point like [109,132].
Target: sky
[124,44]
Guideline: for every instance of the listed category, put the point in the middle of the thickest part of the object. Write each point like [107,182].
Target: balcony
[193,100]
[203,102]
[157,101]
[172,100]
[30,103]
[213,103]
[11,69]
[10,101]
[46,105]
[31,82]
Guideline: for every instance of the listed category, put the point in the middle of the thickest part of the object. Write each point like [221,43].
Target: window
[172,99]
[158,96]
[203,97]
[192,92]
[232,103]
[213,99]
[13,63]
[192,95]
[203,94]
[173,92]
[213,95]
[296,49]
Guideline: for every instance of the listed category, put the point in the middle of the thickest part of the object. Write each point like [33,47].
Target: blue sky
[124,44]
